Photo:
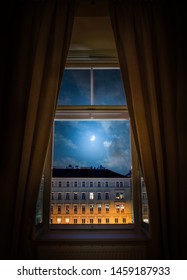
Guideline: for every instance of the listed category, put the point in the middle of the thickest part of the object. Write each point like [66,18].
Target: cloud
[107,144]
[65,141]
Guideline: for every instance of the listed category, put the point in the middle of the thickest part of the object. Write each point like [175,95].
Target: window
[75,196]
[83,209]
[119,196]
[99,208]
[106,195]
[75,209]
[68,196]
[59,209]
[67,209]
[91,208]
[107,208]
[83,196]
[116,220]
[144,202]
[92,143]
[83,221]
[91,195]
[99,195]
[59,196]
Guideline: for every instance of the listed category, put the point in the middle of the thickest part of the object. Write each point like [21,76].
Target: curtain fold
[150,40]
[35,47]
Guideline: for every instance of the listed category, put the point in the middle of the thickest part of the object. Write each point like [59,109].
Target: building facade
[90,196]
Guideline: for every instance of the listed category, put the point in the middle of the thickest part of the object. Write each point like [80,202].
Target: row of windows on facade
[89,184]
[91,221]
[118,209]
[91,195]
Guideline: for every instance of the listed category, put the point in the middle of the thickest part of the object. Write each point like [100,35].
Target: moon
[92,138]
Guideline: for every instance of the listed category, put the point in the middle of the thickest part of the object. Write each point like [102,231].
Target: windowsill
[99,233]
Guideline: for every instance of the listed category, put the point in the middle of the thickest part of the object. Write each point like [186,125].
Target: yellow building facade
[90,196]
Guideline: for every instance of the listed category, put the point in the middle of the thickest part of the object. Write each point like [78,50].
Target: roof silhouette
[86,173]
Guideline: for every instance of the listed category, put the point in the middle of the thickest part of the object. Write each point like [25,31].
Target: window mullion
[91,86]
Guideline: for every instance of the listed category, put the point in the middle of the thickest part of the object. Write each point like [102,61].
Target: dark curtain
[151,43]
[35,40]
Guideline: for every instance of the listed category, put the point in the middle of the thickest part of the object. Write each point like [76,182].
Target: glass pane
[144,199]
[39,204]
[75,87]
[93,153]
[108,87]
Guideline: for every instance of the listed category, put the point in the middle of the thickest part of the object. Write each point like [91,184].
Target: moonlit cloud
[107,144]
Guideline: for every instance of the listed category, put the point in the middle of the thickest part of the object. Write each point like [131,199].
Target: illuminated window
[91,195]
[59,220]
[107,208]
[119,196]
[99,208]
[117,209]
[67,209]
[67,220]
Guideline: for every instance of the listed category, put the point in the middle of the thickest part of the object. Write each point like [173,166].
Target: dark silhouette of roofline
[86,173]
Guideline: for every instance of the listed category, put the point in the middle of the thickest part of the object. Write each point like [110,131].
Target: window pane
[92,144]
[144,200]
[75,87]
[88,153]
[108,87]
[39,204]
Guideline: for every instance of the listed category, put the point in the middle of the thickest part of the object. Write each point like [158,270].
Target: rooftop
[86,173]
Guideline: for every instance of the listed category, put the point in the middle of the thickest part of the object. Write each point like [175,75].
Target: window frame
[97,113]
